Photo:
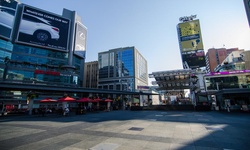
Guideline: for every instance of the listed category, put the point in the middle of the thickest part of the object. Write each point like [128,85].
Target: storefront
[236,99]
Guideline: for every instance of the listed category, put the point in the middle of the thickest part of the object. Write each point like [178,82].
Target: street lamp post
[193,81]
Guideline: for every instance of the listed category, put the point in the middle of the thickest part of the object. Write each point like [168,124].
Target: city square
[124,130]
[124,75]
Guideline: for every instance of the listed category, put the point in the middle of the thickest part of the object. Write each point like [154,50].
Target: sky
[150,26]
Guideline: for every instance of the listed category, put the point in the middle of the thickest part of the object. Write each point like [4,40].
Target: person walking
[66,111]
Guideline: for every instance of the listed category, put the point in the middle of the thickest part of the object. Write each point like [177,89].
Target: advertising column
[80,40]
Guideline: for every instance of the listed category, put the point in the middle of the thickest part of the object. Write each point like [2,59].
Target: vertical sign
[191,44]
[80,40]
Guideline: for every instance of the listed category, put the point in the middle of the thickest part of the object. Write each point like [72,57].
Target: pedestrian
[66,111]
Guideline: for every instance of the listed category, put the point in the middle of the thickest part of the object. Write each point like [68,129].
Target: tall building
[90,74]
[246,59]
[122,69]
[190,43]
[215,57]
[41,47]
[247,7]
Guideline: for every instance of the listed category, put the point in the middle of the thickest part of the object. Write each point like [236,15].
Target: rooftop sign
[187,18]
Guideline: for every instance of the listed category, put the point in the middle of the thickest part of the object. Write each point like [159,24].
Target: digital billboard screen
[191,45]
[80,40]
[7,17]
[43,29]
[194,59]
[190,36]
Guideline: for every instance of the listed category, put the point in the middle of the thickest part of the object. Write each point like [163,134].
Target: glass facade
[116,64]
[231,67]
[227,81]
[36,65]
[120,68]
[125,63]
[103,65]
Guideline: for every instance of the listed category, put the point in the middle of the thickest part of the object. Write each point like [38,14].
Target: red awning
[108,100]
[47,100]
[66,99]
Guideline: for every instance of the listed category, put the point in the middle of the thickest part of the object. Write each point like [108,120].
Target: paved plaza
[127,130]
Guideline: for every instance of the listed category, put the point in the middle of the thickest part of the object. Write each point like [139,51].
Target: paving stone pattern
[127,130]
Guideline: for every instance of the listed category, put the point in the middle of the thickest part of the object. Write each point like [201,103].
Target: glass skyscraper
[122,69]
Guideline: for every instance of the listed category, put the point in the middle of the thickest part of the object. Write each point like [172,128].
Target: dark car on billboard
[39,28]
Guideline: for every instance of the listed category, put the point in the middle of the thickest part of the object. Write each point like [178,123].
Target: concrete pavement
[127,130]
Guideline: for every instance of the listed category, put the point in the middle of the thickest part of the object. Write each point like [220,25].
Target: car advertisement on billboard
[80,40]
[194,59]
[190,36]
[43,29]
[7,17]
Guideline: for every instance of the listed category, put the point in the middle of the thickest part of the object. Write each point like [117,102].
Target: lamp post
[193,81]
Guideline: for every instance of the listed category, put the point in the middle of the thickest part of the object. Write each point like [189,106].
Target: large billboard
[80,40]
[7,17]
[194,59]
[191,45]
[43,29]
[190,36]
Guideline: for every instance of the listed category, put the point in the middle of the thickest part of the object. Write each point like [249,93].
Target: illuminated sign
[47,72]
[43,29]
[194,59]
[190,36]
[228,72]
[191,45]
[80,40]
[187,18]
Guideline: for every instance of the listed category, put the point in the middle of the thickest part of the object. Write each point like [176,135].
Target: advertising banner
[190,36]
[7,17]
[194,59]
[43,29]
[80,40]
[229,72]
[191,45]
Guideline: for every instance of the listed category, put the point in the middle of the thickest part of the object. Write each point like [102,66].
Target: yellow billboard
[190,36]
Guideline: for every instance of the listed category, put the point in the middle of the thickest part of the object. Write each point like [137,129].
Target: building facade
[236,60]
[90,74]
[215,57]
[229,88]
[122,69]
[41,47]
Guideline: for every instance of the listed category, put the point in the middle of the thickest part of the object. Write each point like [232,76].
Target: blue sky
[150,25]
